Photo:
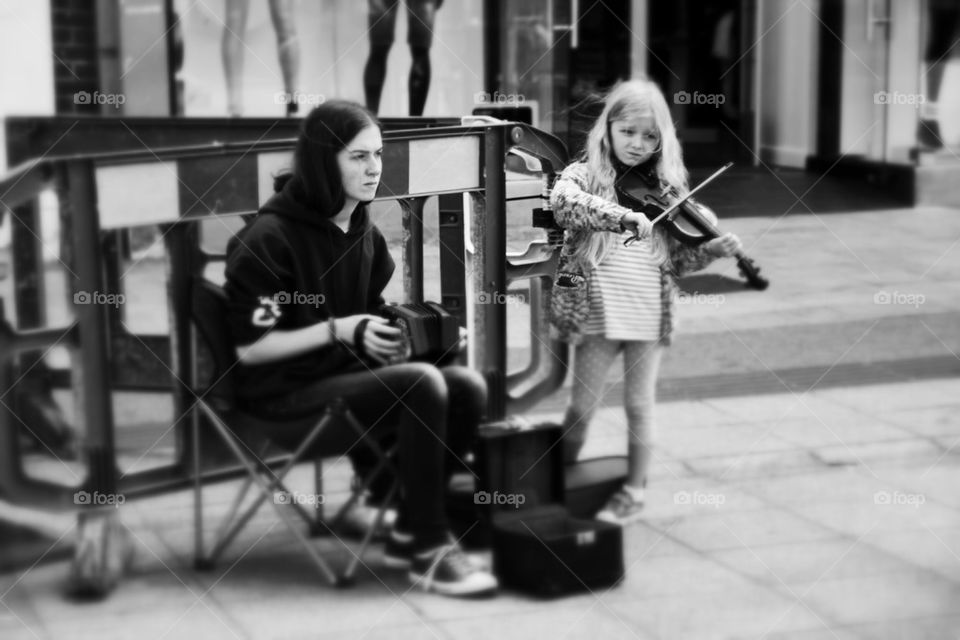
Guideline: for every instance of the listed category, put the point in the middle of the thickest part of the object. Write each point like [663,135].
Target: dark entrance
[700,56]
[559,57]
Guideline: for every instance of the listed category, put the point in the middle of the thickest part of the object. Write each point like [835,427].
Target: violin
[686,219]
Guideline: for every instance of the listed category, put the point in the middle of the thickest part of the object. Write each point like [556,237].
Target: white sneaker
[447,570]
[621,509]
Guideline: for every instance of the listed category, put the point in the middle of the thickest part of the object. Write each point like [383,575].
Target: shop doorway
[560,56]
[701,56]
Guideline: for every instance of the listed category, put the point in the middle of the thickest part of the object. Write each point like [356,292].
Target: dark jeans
[413,403]
[466,404]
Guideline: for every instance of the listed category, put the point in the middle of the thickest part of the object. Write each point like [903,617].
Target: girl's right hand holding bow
[638,224]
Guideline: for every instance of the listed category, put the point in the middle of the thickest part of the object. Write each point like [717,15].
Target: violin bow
[672,209]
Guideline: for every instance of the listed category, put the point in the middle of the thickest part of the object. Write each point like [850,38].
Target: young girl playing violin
[631,287]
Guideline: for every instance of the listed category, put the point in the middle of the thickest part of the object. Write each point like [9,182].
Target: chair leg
[356,557]
[199,558]
[225,533]
[383,465]
[318,486]
[236,520]
[232,523]
[266,488]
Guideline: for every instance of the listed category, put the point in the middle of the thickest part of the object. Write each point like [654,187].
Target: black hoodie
[292,267]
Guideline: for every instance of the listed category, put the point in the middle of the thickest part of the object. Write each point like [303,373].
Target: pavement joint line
[843,534]
[839,536]
[751,383]
[710,557]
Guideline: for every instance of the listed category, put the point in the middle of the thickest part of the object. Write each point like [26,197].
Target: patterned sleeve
[576,209]
[687,259]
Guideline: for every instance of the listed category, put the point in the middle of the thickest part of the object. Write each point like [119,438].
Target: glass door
[534,56]
[559,56]
[881,99]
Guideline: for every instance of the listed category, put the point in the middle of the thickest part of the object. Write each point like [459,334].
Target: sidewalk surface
[804,485]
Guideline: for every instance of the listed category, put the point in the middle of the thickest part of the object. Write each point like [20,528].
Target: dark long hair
[315,180]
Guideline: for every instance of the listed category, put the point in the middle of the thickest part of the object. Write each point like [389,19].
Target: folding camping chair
[246,437]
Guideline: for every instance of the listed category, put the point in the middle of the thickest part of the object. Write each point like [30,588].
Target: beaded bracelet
[358,344]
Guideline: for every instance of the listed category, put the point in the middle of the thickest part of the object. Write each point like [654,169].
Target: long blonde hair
[626,101]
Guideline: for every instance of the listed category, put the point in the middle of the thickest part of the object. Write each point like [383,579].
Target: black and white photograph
[469,319]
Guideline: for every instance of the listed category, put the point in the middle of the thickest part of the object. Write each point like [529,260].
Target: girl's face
[361,163]
[634,140]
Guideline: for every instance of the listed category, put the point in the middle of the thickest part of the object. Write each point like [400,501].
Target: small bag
[569,302]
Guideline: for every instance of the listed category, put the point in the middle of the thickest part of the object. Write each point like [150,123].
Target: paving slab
[741,529]
[938,628]
[910,594]
[927,421]
[754,612]
[754,465]
[817,485]
[594,622]
[792,564]
[936,550]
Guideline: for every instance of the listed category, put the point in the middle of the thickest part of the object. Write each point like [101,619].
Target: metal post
[94,365]
[412,248]
[453,294]
[492,272]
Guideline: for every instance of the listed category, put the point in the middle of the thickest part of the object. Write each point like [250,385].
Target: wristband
[332,326]
[358,345]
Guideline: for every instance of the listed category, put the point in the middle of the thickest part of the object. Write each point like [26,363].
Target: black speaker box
[538,546]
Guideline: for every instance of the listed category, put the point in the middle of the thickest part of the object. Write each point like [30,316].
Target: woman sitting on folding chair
[304,281]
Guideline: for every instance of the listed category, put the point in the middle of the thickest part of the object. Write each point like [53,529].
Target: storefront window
[277,51]
[939,131]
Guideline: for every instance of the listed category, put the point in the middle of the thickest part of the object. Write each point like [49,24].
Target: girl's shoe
[621,509]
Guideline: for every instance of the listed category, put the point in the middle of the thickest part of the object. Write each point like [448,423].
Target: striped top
[625,294]
[581,213]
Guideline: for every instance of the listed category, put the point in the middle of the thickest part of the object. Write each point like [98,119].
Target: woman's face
[634,140]
[361,163]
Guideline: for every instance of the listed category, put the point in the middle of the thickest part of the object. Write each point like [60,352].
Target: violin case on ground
[538,546]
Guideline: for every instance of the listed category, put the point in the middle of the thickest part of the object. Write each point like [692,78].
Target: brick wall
[75,55]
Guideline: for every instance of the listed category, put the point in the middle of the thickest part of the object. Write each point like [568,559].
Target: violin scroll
[751,272]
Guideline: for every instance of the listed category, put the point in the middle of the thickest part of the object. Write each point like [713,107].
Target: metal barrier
[109,179]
